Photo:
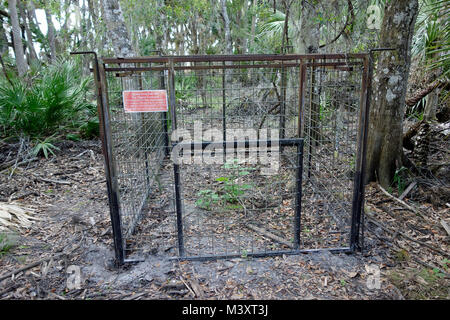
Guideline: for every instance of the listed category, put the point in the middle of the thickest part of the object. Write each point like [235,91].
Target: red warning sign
[145,101]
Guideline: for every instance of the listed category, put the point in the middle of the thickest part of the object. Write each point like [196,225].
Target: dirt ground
[408,246]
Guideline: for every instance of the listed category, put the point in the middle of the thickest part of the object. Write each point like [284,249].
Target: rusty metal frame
[101,67]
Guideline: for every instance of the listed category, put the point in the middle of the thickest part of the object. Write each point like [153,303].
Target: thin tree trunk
[384,149]
[51,35]
[3,39]
[252,28]
[17,38]
[226,20]
[32,21]
[244,27]
[117,29]
[92,21]
[306,26]
[228,41]
[432,102]
[30,46]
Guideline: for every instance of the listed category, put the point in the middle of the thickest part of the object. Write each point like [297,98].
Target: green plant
[431,41]
[232,190]
[207,197]
[44,147]
[49,100]
[229,192]
[399,179]
[185,87]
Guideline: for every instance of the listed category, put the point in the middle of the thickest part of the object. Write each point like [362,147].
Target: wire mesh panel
[139,144]
[331,110]
[227,95]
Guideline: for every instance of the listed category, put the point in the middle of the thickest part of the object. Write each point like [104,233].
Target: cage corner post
[176,167]
[357,227]
[111,178]
[298,194]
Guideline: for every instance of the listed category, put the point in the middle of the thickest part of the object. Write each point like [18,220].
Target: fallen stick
[135,296]
[401,202]
[187,286]
[407,190]
[269,235]
[31,265]
[445,226]
[394,235]
[51,181]
[382,226]
[9,164]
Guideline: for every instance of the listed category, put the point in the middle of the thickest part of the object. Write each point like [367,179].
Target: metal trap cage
[312,107]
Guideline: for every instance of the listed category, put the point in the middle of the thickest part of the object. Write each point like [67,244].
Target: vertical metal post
[111,178]
[310,131]
[298,195]
[301,100]
[176,168]
[178,205]
[224,104]
[162,85]
[358,186]
[144,134]
[282,133]
[172,97]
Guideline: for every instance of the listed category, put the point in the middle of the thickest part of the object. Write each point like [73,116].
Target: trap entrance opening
[318,101]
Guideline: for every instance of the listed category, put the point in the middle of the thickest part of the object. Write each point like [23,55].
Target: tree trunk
[228,41]
[3,39]
[51,35]
[92,21]
[117,29]
[226,26]
[384,149]
[432,102]
[244,27]
[17,38]
[252,27]
[30,46]
[306,26]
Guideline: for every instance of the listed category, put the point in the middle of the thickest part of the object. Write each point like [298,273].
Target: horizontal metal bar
[331,64]
[220,67]
[262,254]
[237,57]
[245,143]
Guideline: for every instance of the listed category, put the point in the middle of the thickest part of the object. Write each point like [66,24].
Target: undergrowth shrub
[49,101]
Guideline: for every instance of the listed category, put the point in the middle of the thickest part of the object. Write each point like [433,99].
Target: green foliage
[185,87]
[52,99]
[44,147]
[147,46]
[400,179]
[207,198]
[431,41]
